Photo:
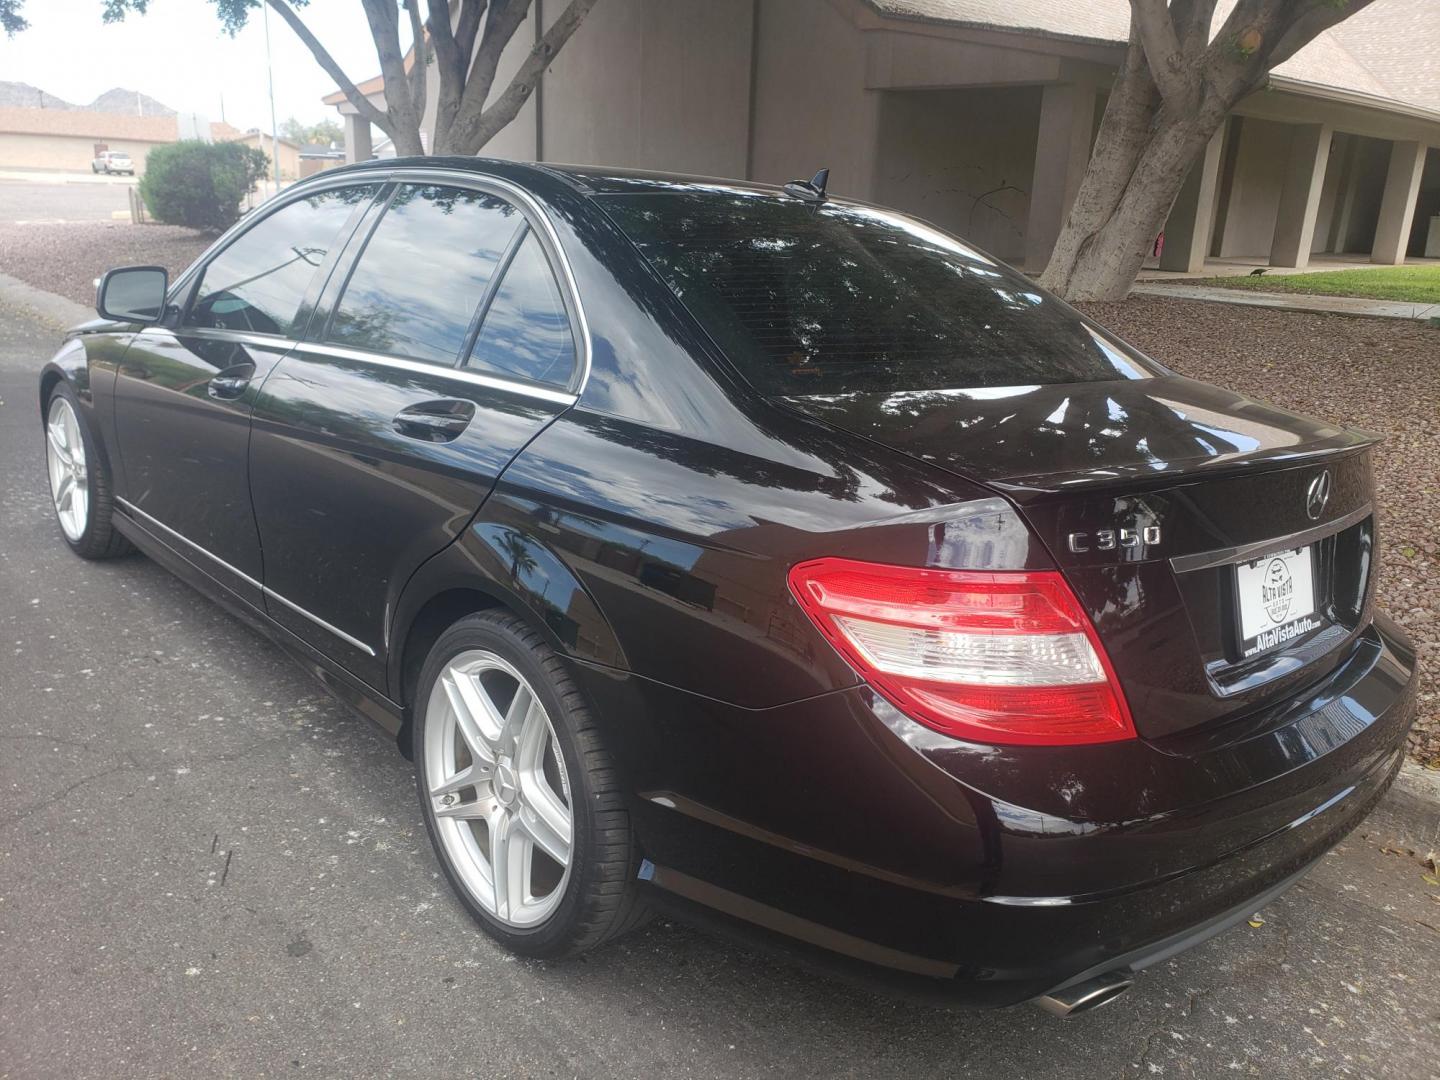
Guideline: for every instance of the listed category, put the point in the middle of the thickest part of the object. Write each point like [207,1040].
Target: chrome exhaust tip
[1084,996]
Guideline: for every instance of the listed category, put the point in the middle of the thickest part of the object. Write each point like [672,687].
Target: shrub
[200,184]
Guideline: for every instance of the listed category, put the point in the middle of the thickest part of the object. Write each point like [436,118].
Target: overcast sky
[179,55]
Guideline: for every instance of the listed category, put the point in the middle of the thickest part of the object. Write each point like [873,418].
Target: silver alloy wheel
[498,787]
[65,460]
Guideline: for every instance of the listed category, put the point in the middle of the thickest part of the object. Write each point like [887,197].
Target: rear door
[443,343]
[184,392]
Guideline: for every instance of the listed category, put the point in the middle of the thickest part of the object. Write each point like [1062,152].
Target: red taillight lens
[1003,657]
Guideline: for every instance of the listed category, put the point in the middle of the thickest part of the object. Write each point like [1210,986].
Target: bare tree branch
[1192,19]
[523,85]
[420,49]
[503,20]
[454,50]
[468,26]
[1151,19]
[1311,24]
[352,93]
[384,18]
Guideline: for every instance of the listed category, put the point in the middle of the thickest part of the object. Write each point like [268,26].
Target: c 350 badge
[1113,539]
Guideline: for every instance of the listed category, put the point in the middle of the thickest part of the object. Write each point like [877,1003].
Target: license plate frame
[1276,600]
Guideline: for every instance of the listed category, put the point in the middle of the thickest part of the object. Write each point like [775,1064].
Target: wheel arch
[71,363]
[71,366]
[489,566]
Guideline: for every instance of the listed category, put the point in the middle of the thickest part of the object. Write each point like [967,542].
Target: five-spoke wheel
[65,460]
[498,788]
[523,802]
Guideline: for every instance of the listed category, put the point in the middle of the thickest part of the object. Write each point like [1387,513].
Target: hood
[1029,441]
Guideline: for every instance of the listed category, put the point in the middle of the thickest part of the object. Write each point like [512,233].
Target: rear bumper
[988,875]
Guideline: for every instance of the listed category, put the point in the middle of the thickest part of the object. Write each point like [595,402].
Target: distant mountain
[19,95]
[130,102]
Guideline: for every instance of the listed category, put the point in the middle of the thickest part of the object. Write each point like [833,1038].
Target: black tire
[601,899]
[100,539]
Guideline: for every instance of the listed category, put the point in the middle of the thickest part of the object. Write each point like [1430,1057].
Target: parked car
[761,556]
[113,161]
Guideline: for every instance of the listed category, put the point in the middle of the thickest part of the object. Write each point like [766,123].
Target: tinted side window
[258,282]
[526,333]
[423,273]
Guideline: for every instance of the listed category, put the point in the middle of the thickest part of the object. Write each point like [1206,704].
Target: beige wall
[812,109]
[938,120]
[962,159]
[652,84]
[68,153]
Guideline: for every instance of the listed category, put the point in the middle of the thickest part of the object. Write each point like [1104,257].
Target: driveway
[208,867]
[52,198]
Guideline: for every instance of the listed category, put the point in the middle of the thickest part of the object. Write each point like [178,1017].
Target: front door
[184,392]
[445,349]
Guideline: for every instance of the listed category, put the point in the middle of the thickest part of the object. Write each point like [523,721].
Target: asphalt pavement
[53,198]
[210,868]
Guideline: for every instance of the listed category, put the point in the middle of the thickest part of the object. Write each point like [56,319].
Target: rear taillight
[1002,657]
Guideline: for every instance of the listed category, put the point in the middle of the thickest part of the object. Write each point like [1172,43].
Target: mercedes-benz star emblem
[1318,495]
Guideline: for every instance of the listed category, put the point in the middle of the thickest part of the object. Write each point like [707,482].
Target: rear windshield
[834,298]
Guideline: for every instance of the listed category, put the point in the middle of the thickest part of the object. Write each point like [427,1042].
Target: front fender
[89,363]
[72,364]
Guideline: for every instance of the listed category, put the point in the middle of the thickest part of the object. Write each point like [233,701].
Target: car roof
[584,179]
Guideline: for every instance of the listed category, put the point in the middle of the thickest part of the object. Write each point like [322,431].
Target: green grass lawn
[1418,284]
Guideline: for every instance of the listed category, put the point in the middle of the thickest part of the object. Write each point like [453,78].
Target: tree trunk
[406,138]
[1149,140]
[1143,151]
[1106,240]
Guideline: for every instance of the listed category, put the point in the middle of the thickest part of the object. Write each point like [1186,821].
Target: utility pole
[270,75]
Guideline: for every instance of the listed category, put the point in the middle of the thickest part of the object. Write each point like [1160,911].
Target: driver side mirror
[133,294]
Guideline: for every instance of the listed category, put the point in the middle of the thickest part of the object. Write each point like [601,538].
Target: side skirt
[343,686]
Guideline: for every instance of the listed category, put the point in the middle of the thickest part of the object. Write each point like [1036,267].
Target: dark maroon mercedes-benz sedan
[760,555]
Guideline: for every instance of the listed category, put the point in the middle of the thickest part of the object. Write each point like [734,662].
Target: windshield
[833,298]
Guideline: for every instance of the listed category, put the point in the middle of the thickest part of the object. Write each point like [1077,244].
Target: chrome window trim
[210,333]
[535,213]
[136,512]
[339,352]
[1204,560]
[260,213]
[475,378]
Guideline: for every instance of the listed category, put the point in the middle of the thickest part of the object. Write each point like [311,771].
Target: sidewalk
[59,311]
[1322,305]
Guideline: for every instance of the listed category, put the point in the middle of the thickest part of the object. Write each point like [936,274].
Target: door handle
[232,382]
[435,421]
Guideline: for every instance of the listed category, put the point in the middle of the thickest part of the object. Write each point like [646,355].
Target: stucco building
[979,115]
[68,140]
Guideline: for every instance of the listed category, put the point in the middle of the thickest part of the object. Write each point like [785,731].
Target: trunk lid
[1149,493]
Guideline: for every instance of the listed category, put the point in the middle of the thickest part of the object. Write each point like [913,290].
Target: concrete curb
[1312,304]
[60,311]
[1419,781]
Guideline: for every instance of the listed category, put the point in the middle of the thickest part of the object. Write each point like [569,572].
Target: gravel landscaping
[1378,374]
[66,259]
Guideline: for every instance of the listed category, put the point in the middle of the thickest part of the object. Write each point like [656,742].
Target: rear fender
[514,570]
